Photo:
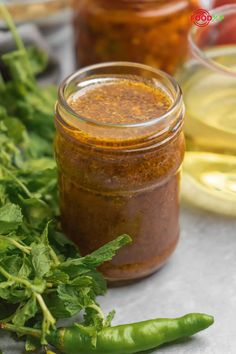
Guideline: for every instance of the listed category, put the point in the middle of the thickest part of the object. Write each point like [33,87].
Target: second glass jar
[152,32]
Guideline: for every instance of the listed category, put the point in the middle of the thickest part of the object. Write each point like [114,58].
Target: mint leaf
[4,245]
[41,259]
[38,59]
[39,285]
[26,312]
[5,292]
[58,277]
[15,129]
[81,281]
[99,283]
[10,218]
[12,263]
[17,63]
[56,306]
[26,268]
[35,210]
[106,252]
[103,254]
[74,299]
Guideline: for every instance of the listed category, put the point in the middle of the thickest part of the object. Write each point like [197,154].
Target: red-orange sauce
[106,192]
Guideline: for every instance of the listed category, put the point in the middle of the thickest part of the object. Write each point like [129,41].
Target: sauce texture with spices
[120,101]
[118,177]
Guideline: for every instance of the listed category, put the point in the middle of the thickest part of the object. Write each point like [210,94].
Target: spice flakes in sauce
[107,192]
[120,102]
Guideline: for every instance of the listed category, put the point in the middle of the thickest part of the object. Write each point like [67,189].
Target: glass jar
[153,32]
[121,178]
[208,81]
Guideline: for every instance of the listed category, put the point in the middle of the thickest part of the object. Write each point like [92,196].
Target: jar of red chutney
[119,147]
[152,32]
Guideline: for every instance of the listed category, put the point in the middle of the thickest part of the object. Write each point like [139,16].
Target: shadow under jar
[119,147]
[152,32]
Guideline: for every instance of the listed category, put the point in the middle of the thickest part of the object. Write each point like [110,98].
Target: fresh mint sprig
[43,278]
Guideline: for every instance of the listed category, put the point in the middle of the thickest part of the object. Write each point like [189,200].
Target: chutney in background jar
[152,32]
[119,147]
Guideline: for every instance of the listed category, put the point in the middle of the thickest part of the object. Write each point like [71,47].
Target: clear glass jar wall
[121,178]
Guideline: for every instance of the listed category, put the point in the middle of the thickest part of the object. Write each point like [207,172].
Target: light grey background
[200,277]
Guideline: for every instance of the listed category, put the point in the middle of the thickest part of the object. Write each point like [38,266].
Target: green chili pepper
[124,339]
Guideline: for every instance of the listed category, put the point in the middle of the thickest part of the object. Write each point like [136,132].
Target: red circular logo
[201,17]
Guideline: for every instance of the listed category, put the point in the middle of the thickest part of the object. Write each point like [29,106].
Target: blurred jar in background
[45,24]
[153,32]
[208,81]
[217,3]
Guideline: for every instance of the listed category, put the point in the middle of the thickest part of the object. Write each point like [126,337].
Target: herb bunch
[43,278]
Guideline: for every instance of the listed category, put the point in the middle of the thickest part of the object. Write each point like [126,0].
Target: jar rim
[199,54]
[152,121]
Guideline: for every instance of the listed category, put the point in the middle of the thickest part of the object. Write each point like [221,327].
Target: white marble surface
[200,277]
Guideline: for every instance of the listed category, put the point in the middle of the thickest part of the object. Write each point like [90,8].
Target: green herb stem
[22,330]
[48,320]
[18,280]
[12,27]
[25,189]
[46,312]
[19,43]
[98,310]
[54,256]
[15,243]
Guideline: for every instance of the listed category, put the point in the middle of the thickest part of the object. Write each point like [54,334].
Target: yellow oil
[209,178]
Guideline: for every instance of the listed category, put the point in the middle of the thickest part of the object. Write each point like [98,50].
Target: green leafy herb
[10,218]
[43,278]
